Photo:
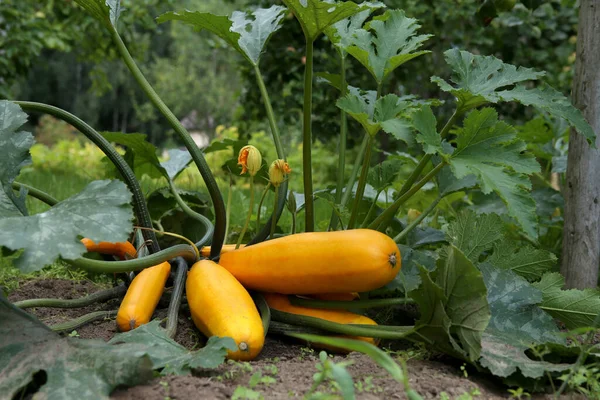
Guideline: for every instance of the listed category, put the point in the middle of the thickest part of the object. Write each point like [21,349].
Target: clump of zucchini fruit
[323,266]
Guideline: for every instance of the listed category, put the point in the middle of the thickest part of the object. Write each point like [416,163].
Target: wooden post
[581,233]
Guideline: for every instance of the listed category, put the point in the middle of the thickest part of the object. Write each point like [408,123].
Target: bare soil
[286,367]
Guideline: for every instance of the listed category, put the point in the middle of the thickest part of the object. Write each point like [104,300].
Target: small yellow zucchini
[221,306]
[142,297]
[356,260]
[124,250]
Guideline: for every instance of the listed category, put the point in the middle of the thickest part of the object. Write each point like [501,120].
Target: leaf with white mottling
[100,212]
[178,160]
[525,260]
[105,11]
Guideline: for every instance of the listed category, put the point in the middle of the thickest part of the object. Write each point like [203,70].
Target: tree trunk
[581,233]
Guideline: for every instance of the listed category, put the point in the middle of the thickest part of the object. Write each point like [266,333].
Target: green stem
[417,221]
[181,269]
[362,183]
[139,202]
[83,320]
[208,226]
[348,305]
[228,212]
[270,113]
[38,194]
[307,141]
[97,297]
[293,222]
[375,331]
[371,210]
[383,222]
[250,209]
[211,184]
[389,212]
[109,267]
[281,328]
[264,310]
[262,198]
[266,230]
[342,142]
[273,220]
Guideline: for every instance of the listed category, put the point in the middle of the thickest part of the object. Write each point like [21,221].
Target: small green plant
[334,374]
[244,393]
[519,393]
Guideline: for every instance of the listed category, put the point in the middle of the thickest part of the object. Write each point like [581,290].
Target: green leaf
[247,33]
[513,304]
[74,368]
[334,80]
[383,175]
[524,260]
[100,212]
[387,42]
[546,98]
[408,279]
[14,148]
[369,111]
[383,359]
[224,144]
[315,16]
[424,121]
[105,11]
[490,150]
[344,380]
[478,78]
[575,308]
[341,34]
[502,355]
[453,303]
[161,201]
[473,234]
[177,162]
[145,160]
[169,356]
[448,184]
[486,79]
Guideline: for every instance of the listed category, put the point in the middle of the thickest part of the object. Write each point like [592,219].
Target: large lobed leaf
[387,42]
[485,79]
[525,260]
[140,154]
[453,303]
[245,32]
[341,34]
[489,149]
[473,234]
[575,308]
[100,212]
[317,15]
[169,356]
[74,368]
[105,11]
[14,155]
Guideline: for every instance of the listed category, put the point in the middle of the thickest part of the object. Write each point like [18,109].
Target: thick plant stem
[270,113]
[264,310]
[181,269]
[389,212]
[211,184]
[193,214]
[228,210]
[273,220]
[309,210]
[97,297]
[260,203]
[109,267]
[348,305]
[362,183]
[250,207]
[83,320]
[342,142]
[398,238]
[139,201]
[352,178]
[383,222]
[38,194]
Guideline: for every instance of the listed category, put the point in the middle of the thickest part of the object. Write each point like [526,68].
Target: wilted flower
[277,172]
[412,215]
[250,160]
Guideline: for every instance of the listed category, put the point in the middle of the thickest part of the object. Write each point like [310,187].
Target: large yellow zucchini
[142,297]
[205,251]
[220,306]
[318,262]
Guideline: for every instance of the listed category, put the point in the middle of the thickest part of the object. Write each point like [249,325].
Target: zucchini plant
[485,291]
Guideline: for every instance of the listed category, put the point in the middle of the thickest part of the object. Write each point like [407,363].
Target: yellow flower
[278,171]
[250,160]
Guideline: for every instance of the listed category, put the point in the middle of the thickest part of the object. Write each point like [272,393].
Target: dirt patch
[283,370]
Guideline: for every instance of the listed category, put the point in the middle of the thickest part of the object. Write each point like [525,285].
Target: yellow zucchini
[142,297]
[205,251]
[124,250]
[221,306]
[356,260]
